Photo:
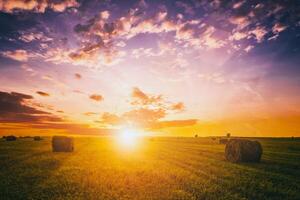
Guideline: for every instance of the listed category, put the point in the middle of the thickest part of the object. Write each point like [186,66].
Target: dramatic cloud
[38,6]
[19,55]
[101,38]
[189,56]
[14,107]
[148,111]
[96,97]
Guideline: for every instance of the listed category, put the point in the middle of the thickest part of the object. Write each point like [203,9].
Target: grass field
[159,168]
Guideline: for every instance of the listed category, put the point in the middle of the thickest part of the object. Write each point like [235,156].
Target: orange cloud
[141,98]
[178,106]
[90,113]
[40,6]
[112,119]
[19,55]
[96,97]
[144,116]
[44,94]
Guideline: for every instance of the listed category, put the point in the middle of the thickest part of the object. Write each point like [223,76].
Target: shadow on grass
[26,164]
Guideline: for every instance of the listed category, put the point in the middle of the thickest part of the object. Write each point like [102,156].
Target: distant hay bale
[223,141]
[11,138]
[37,138]
[62,144]
[240,150]
[196,135]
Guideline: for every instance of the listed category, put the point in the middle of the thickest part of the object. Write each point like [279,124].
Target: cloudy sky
[164,67]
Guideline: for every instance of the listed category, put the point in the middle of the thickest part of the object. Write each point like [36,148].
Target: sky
[170,68]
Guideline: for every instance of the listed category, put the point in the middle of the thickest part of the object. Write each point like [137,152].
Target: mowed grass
[159,168]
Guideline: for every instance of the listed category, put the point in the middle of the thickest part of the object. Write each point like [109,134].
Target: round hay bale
[11,138]
[62,144]
[240,150]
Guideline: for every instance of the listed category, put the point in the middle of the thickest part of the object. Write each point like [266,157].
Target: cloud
[14,107]
[90,113]
[178,106]
[31,36]
[249,48]
[144,116]
[240,21]
[44,94]
[238,4]
[141,98]
[111,119]
[238,35]
[77,76]
[38,6]
[101,38]
[278,27]
[96,97]
[259,33]
[105,14]
[90,55]
[147,110]
[19,55]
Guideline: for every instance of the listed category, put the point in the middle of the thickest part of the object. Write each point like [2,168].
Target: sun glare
[128,139]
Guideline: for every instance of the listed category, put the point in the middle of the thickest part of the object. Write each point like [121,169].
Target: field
[159,168]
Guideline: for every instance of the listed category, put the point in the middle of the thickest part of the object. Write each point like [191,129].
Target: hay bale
[223,141]
[37,138]
[240,150]
[196,135]
[11,138]
[62,144]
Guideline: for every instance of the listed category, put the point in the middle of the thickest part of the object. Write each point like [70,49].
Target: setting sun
[128,139]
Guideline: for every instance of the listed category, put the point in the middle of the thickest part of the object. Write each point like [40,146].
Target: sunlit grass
[157,168]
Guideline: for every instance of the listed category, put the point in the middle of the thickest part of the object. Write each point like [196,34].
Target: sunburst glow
[128,139]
